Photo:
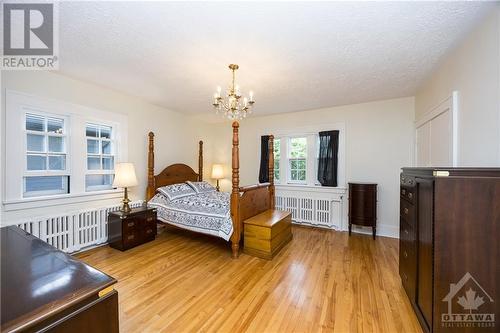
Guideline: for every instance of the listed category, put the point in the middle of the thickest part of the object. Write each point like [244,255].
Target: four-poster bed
[245,202]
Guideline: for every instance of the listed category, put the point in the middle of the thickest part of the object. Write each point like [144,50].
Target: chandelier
[231,105]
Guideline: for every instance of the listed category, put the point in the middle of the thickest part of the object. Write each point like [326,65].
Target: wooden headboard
[172,174]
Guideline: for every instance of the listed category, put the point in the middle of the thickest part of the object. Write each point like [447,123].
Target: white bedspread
[207,213]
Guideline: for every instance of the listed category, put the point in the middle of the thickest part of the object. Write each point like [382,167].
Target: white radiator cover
[313,206]
[74,231]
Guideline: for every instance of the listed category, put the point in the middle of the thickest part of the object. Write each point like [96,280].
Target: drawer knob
[149,219]
[405,277]
[405,254]
[149,231]
[406,231]
[410,195]
[131,237]
[130,224]
[406,211]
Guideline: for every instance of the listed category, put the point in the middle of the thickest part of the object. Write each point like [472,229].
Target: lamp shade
[124,175]
[217,171]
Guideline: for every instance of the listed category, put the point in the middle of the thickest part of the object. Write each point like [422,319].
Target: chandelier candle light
[231,105]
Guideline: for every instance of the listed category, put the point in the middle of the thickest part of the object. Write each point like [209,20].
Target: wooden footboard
[254,200]
[250,200]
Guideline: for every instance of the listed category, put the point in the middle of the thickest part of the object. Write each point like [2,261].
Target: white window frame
[100,155]
[17,104]
[289,160]
[46,153]
[312,134]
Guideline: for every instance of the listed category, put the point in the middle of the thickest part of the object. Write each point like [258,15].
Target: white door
[436,143]
[441,137]
[423,145]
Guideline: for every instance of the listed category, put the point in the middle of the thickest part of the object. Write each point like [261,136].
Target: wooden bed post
[150,191]
[272,201]
[235,193]
[200,161]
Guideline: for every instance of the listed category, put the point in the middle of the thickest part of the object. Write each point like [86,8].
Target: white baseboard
[384,230]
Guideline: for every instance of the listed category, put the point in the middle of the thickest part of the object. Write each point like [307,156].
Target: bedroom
[351,92]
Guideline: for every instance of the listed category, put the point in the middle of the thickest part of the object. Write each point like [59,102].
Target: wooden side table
[127,230]
[363,205]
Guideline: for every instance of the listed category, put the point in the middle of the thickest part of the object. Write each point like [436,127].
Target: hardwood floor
[321,281]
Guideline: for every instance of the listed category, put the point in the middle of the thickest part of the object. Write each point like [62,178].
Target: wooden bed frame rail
[246,201]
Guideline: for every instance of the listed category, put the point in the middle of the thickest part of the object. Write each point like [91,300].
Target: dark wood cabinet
[127,230]
[46,290]
[363,205]
[448,255]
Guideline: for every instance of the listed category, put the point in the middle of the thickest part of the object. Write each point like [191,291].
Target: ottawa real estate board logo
[469,305]
[30,36]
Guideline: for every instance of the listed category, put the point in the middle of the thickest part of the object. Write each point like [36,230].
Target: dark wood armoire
[363,205]
[449,256]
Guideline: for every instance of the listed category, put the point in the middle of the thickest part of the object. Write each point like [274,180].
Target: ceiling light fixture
[231,105]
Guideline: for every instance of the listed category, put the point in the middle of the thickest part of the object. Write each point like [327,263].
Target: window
[297,159]
[46,171]
[49,161]
[100,157]
[277,157]
[296,156]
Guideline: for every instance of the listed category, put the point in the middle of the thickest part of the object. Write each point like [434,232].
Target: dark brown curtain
[328,157]
[264,159]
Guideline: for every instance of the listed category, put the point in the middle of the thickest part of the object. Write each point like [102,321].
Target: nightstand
[127,230]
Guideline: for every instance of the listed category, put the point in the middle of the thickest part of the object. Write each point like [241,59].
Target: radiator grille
[306,210]
[72,232]
[323,212]
[292,205]
[57,231]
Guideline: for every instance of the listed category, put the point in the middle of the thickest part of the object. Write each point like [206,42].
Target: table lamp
[125,177]
[217,173]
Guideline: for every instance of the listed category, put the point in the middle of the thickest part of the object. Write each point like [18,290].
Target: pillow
[176,191]
[201,187]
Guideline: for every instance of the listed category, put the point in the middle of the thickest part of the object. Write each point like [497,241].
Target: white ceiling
[294,55]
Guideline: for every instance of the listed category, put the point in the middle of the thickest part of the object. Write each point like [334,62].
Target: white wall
[177,135]
[473,69]
[379,141]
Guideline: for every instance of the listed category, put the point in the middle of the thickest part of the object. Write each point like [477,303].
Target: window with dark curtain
[328,158]
[264,159]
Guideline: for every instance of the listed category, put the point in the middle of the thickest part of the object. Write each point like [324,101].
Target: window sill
[62,199]
[313,188]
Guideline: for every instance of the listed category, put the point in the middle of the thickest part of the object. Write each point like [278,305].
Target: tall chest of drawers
[448,254]
[408,235]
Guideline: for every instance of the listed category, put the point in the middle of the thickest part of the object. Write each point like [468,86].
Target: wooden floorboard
[321,281]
